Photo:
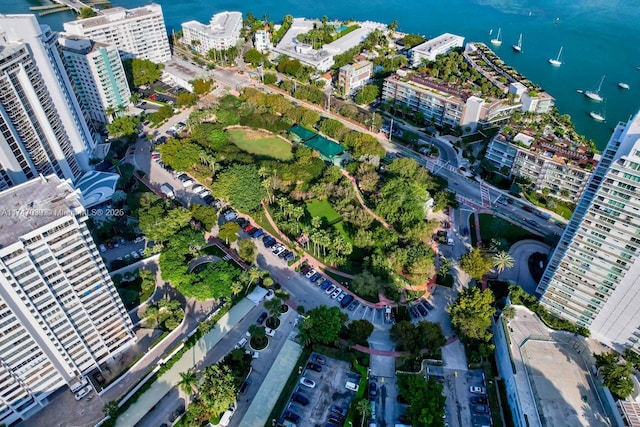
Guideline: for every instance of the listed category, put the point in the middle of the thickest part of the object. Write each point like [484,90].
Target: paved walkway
[519,273]
[476,220]
[377,352]
[352,180]
[170,379]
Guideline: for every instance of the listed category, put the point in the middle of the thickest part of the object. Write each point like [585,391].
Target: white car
[83,392]
[241,343]
[478,390]
[270,295]
[102,248]
[341,296]
[135,255]
[330,289]
[197,188]
[335,293]
[187,183]
[254,354]
[307,382]
[270,332]
[310,273]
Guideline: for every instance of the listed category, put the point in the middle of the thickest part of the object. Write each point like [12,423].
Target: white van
[351,386]
[226,417]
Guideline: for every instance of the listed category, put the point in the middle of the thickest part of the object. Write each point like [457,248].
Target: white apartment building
[97,74]
[137,33]
[222,32]
[354,76]
[60,314]
[445,105]
[546,163]
[262,41]
[434,47]
[593,276]
[42,126]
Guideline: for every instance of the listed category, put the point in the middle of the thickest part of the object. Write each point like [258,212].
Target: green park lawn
[491,226]
[324,210]
[261,143]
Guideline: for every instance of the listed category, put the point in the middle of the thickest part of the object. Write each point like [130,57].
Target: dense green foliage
[142,71]
[616,374]
[159,220]
[322,325]
[425,398]
[247,250]
[166,314]
[241,186]
[206,215]
[254,57]
[359,331]
[367,94]
[476,263]
[471,315]
[414,339]
[411,40]
[124,127]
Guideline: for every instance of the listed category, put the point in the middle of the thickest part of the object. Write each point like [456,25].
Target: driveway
[519,273]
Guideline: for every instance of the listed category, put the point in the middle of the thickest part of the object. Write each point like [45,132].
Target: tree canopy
[367,94]
[241,186]
[471,314]
[124,126]
[425,398]
[359,331]
[616,373]
[322,325]
[415,338]
[476,263]
[142,71]
[159,220]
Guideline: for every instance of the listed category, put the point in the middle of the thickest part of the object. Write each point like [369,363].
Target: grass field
[324,210]
[491,226]
[261,143]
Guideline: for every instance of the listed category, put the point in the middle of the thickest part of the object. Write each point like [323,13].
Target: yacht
[558,60]
[518,47]
[595,95]
[622,85]
[498,40]
[596,116]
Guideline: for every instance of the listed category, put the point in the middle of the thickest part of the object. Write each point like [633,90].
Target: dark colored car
[335,420]
[423,311]
[318,359]
[299,398]
[413,312]
[254,231]
[305,269]
[257,233]
[479,400]
[481,409]
[291,416]
[314,367]
[269,242]
[315,277]
[325,285]
[428,305]
[245,385]
[284,253]
[346,301]
[373,391]
[338,410]
[262,318]
[290,257]
[439,378]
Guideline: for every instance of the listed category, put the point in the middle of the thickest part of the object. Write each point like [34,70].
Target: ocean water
[598,38]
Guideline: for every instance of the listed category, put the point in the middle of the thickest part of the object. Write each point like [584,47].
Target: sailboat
[558,61]
[497,41]
[595,95]
[598,117]
[518,47]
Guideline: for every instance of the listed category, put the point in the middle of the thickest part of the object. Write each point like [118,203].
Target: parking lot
[328,392]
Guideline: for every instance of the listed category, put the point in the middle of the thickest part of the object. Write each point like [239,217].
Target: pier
[62,5]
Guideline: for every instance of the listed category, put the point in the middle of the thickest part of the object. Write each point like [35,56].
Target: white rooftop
[435,44]
[222,24]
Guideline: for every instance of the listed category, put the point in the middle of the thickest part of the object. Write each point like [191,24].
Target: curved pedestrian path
[519,273]
[352,180]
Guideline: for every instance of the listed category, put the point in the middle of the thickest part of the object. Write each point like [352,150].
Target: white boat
[622,85]
[597,116]
[557,61]
[498,40]
[518,47]
[595,95]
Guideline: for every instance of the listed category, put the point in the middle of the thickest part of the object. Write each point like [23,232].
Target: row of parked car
[422,308]
[345,299]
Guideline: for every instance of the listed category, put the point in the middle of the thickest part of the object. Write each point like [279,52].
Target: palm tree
[363,408]
[236,287]
[502,261]
[273,306]
[188,381]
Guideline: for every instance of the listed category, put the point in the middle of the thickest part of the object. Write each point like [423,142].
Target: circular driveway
[519,273]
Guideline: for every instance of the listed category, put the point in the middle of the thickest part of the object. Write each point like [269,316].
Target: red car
[152,96]
[248,228]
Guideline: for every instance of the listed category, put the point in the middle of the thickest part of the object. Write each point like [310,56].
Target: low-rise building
[222,32]
[321,59]
[137,33]
[546,162]
[444,104]
[262,41]
[434,47]
[353,76]
[97,74]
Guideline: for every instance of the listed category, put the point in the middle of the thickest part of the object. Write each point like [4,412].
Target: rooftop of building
[114,14]
[356,66]
[34,204]
[552,378]
[443,40]
[324,146]
[79,44]
[440,88]
[630,412]
[559,150]
[630,136]
[222,25]
[289,45]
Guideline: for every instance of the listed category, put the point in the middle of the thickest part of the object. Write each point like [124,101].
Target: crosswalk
[485,195]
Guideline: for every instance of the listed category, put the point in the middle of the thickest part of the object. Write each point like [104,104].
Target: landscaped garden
[504,232]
